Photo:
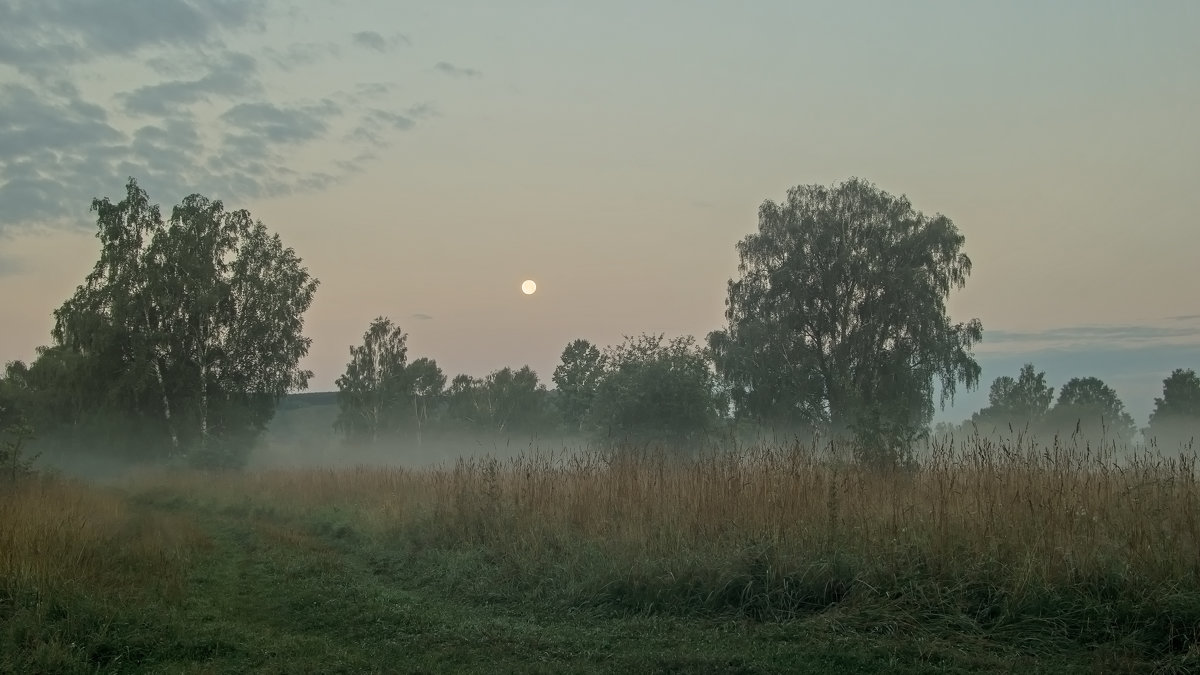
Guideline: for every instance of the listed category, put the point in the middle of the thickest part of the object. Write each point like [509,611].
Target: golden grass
[58,535]
[977,530]
[1047,514]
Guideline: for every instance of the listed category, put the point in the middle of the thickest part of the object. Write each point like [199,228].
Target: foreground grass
[773,560]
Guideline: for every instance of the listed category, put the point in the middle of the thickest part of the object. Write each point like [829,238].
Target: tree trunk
[417,416]
[162,388]
[166,402]
[203,402]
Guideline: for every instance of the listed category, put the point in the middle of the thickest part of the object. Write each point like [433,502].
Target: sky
[426,158]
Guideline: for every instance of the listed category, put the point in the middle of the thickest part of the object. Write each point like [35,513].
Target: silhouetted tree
[1018,402]
[1175,419]
[426,385]
[15,427]
[1088,406]
[506,400]
[838,318]
[656,389]
[195,324]
[576,378]
[374,395]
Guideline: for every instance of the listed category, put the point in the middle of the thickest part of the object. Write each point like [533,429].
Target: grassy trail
[275,595]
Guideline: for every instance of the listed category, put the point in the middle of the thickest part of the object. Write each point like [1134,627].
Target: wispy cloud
[1173,331]
[207,117]
[452,70]
[232,74]
[41,38]
[375,124]
[280,124]
[302,54]
[369,39]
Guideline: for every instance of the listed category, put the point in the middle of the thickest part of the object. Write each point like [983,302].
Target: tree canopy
[1090,407]
[656,389]
[838,317]
[506,400]
[1175,419]
[577,378]
[1023,401]
[193,326]
[374,392]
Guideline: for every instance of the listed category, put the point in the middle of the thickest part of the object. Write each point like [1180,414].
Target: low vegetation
[1058,557]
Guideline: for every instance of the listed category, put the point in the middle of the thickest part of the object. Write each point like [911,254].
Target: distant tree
[657,389]
[465,403]
[1092,408]
[15,429]
[1175,419]
[1019,402]
[196,323]
[506,400]
[838,318]
[374,394]
[426,384]
[577,378]
[516,400]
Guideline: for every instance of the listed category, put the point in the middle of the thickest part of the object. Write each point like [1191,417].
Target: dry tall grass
[1014,521]
[63,536]
[991,535]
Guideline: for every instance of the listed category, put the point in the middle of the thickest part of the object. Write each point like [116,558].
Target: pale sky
[425,158]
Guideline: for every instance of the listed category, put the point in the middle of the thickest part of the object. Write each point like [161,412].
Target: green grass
[267,596]
[577,567]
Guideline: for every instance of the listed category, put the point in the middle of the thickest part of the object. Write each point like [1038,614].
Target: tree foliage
[656,389]
[577,378]
[193,325]
[374,395]
[426,385]
[838,319]
[1175,419]
[15,428]
[1022,402]
[1086,405]
[506,400]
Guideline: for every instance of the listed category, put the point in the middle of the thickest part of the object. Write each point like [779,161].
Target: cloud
[50,148]
[267,122]
[32,123]
[303,54]
[422,111]
[233,74]
[1176,330]
[455,71]
[59,149]
[56,154]
[369,39]
[420,317]
[40,37]
[375,124]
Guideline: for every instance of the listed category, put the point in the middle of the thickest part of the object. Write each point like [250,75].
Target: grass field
[987,558]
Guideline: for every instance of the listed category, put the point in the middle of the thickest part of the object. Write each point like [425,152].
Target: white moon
[528,287]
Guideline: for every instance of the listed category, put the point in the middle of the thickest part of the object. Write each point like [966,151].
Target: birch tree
[204,315]
[838,316]
[373,394]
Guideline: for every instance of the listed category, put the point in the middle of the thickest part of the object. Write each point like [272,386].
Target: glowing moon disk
[528,287]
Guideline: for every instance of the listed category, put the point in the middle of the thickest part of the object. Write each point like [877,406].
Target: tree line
[188,331]
[1085,406]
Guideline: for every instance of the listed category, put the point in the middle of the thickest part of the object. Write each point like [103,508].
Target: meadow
[985,557]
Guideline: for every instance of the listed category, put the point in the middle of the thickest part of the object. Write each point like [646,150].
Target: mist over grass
[1059,557]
